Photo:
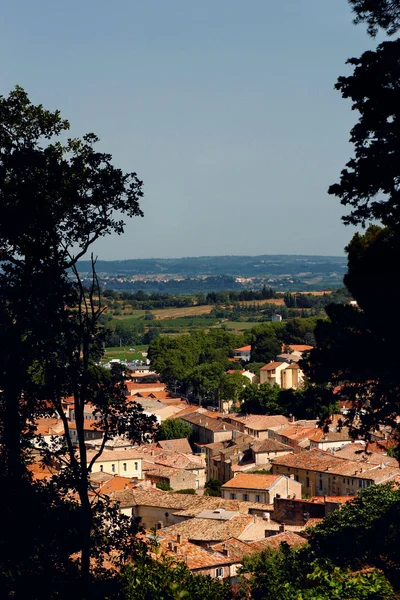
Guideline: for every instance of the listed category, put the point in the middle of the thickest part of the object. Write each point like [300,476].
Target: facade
[264,451]
[322,474]
[208,430]
[243,353]
[126,463]
[257,426]
[283,374]
[254,487]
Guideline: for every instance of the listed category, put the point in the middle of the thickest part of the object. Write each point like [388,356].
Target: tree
[369,183]
[205,380]
[232,385]
[377,14]
[174,429]
[261,400]
[212,487]
[57,197]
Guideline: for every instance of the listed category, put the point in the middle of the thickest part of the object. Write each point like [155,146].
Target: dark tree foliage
[173,429]
[378,14]
[57,197]
[369,185]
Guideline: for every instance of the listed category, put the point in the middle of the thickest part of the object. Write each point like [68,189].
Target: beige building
[257,426]
[208,430]
[264,451]
[127,463]
[283,374]
[255,487]
[321,474]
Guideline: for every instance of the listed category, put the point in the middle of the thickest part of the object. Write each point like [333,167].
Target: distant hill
[236,266]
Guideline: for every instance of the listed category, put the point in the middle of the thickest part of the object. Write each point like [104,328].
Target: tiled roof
[331,436]
[318,460]
[300,347]
[208,422]
[359,452]
[260,422]
[274,541]
[40,471]
[49,426]
[234,549]
[269,445]
[184,504]
[254,481]
[114,455]
[204,530]
[293,432]
[115,484]
[243,349]
[272,366]
[195,557]
[181,445]
[88,425]
[132,385]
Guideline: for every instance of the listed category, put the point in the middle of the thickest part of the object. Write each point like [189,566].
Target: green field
[123,353]
[239,324]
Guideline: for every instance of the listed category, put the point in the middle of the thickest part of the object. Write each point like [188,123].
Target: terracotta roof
[208,422]
[88,425]
[40,471]
[274,541]
[146,387]
[207,530]
[115,484]
[270,445]
[318,460]
[180,445]
[300,347]
[272,366]
[293,432]
[331,436]
[183,504]
[293,366]
[233,548]
[253,481]
[360,453]
[260,422]
[195,557]
[243,349]
[114,455]
[323,499]
[49,426]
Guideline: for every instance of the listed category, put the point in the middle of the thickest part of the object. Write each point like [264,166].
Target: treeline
[293,300]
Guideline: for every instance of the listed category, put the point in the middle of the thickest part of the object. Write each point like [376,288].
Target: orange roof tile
[243,349]
[254,481]
[272,366]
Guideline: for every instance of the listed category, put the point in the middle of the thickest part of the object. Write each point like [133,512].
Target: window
[101,468]
[219,572]
[233,496]
[320,484]
[136,466]
[360,483]
[307,482]
[258,498]
[113,468]
[296,477]
[124,466]
[245,497]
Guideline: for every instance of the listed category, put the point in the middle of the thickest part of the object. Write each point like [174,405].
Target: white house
[242,353]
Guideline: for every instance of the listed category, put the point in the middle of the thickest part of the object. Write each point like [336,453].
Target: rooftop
[254,481]
[259,422]
[204,530]
[274,541]
[273,365]
[269,445]
[180,445]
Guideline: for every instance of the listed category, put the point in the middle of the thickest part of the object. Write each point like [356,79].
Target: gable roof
[243,349]
[260,422]
[180,445]
[204,530]
[300,347]
[270,445]
[273,365]
[274,541]
[253,481]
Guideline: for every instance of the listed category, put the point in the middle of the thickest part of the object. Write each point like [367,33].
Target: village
[274,477]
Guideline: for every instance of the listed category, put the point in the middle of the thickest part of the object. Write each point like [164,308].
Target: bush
[163,485]
[186,491]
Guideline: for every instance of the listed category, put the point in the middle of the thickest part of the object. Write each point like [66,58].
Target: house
[276,318]
[264,450]
[257,426]
[322,474]
[126,463]
[331,440]
[48,430]
[299,349]
[243,353]
[213,453]
[271,372]
[231,460]
[155,508]
[365,454]
[297,511]
[207,531]
[91,430]
[207,430]
[295,436]
[177,479]
[255,487]
[294,540]
[283,374]
[132,387]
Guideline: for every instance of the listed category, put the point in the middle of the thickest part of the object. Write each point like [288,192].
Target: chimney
[282,528]
[179,538]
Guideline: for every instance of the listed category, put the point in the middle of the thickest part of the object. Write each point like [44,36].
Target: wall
[263,458]
[284,487]
[133,467]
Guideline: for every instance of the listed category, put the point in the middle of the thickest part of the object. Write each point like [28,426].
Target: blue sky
[225,108]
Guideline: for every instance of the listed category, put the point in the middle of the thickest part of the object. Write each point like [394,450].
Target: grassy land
[239,325]
[170,313]
[124,353]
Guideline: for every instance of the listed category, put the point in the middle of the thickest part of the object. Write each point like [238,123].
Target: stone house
[255,487]
[127,463]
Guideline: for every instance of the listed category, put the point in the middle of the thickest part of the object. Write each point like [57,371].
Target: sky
[225,108]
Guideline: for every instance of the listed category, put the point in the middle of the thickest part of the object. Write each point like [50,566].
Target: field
[124,353]
[276,301]
[239,324]
[171,313]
